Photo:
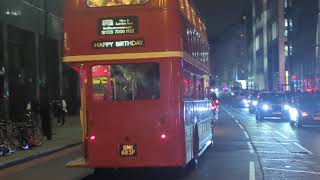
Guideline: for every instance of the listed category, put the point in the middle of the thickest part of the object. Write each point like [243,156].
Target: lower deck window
[124,82]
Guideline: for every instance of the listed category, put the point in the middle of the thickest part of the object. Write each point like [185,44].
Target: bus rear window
[126,82]
[105,3]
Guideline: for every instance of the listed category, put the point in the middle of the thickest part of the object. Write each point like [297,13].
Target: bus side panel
[189,127]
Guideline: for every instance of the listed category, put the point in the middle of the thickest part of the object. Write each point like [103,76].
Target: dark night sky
[219,14]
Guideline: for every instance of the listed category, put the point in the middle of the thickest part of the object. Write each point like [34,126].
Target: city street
[244,149]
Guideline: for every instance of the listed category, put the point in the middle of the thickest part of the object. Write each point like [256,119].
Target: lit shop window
[104,3]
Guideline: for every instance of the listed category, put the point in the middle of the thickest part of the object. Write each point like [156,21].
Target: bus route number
[128,150]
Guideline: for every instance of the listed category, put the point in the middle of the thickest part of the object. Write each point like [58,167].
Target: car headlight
[265,107]
[245,101]
[254,103]
[304,114]
[293,114]
[286,107]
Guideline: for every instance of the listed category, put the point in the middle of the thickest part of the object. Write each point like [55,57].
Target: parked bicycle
[7,144]
[27,132]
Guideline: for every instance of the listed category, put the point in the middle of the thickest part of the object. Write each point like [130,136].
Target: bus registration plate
[128,149]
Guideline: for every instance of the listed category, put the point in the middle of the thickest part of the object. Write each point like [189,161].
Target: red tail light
[92,138]
[163,136]
[213,107]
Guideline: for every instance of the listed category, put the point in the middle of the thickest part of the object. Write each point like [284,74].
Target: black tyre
[298,124]
[193,164]
[292,124]
[258,117]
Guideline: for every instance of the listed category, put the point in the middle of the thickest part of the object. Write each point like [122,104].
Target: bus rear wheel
[194,162]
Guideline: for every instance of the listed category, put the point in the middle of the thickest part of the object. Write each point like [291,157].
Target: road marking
[266,126]
[264,137]
[227,112]
[280,134]
[265,142]
[303,148]
[237,121]
[250,147]
[246,134]
[241,126]
[291,160]
[252,171]
[244,115]
[291,170]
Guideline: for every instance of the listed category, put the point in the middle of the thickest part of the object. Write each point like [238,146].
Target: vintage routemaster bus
[144,78]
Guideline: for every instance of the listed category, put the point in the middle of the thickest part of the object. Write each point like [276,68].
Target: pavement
[63,137]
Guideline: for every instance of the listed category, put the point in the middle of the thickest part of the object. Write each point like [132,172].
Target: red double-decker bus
[144,81]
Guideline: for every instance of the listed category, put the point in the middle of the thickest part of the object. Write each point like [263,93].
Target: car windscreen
[272,98]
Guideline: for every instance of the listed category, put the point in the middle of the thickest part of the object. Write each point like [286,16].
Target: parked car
[272,105]
[306,110]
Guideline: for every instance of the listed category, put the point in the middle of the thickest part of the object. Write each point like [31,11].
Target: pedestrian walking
[60,108]
[64,110]
[45,114]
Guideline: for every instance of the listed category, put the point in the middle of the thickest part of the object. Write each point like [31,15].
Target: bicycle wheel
[17,138]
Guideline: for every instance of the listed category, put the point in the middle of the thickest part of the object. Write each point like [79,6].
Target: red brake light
[163,136]
[216,101]
[92,138]
[213,107]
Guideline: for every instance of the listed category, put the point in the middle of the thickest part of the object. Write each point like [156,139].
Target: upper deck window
[108,3]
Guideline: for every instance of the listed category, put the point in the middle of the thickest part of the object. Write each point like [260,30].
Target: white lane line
[240,112]
[291,160]
[266,126]
[264,137]
[280,134]
[241,126]
[252,171]
[250,147]
[303,148]
[237,121]
[265,142]
[227,112]
[246,134]
[291,170]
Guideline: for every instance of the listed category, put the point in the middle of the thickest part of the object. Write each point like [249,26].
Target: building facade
[302,47]
[231,53]
[30,54]
[268,41]
[285,44]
